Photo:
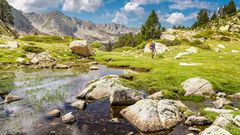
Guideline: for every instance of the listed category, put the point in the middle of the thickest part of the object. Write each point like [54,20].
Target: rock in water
[79,104]
[121,95]
[81,47]
[54,113]
[99,88]
[153,115]
[11,98]
[68,118]
[215,130]
[160,48]
[197,121]
[61,66]
[198,86]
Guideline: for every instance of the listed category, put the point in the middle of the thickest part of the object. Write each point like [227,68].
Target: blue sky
[131,13]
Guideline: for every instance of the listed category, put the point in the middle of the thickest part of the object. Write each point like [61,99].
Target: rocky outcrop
[215,130]
[54,113]
[197,121]
[121,95]
[98,89]
[153,115]
[68,118]
[197,86]
[81,48]
[168,37]
[223,120]
[160,48]
[80,104]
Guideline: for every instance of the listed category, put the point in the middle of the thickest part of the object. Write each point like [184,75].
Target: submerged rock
[153,115]
[215,130]
[12,98]
[81,47]
[121,95]
[223,120]
[156,96]
[197,120]
[79,104]
[197,86]
[99,88]
[54,113]
[68,118]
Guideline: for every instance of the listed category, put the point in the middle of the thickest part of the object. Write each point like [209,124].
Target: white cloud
[34,5]
[120,18]
[82,5]
[178,18]
[187,4]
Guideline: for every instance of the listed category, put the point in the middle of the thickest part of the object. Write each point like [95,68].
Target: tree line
[225,10]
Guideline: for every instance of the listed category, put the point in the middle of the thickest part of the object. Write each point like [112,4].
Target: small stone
[190,134]
[192,50]
[53,124]
[68,118]
[54,113]
[61,66]
[34,61]
[114,120]
[40,125]
[53,132]
[130,133]
[94,68]
[80,104]
[194,129]
[235,51]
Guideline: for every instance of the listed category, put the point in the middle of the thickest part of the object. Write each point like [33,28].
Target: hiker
[152,48]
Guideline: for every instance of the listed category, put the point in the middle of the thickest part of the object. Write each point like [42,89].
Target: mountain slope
[56,23]
[7,30]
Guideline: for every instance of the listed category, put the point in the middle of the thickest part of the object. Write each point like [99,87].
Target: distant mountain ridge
[56,23]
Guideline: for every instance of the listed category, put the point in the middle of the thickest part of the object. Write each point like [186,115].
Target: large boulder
[81,47]
[99,88]
[215,130]
[153,115]
[197,86]
[160,48]
[121,95]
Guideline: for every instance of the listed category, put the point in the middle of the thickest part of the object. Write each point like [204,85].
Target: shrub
[33,49]
[199,44]
[225,39]
[96,45]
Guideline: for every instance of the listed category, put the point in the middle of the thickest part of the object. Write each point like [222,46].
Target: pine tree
[231,8]
[6,12]
[152,27]
[214,16]
[202,17]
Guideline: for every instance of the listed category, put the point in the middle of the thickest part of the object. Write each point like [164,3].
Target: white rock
[192,50]
[68,118]
[224,28]
[221,94]
[197,121]
[220,102]
[216,50]
[235,51]
[34,61]
[223,120]
[197,86]
[188,64]
[236,120]
[160,48]
[20,60]
[221,46]
[179,55]
[80,104]
[168,37]
[215,130]
[218,110]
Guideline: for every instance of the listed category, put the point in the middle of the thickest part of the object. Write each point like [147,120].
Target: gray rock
[220,102]
[153,115]
[215,130]
[197,121]
[81,47]
[156,96]
[68,118]
[197,86]
[34,60]
[235,96]
[218,110]
[160,48]
[80,104]
[223,120]
[236,120]
[99,88]
[121,95]
[54,113]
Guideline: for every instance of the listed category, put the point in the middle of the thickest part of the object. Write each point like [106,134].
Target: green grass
[221,69]
[33,49]
[210,115]
[46,39]
[233,129]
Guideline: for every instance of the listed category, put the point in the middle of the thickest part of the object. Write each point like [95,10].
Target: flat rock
[236,120]
[153,115]
[12,98]
[156,96]
[80,104]
[99,88]
[221,46]
[235,96]
[215,130]
[192,50]
[197,121]
[94,68]
[121,95]
[218,110]
[235,51]
[197,86]
[189,64]
[180,55]
[54,113]
[194,129]
[68,118]
[223,120]
[10,45]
